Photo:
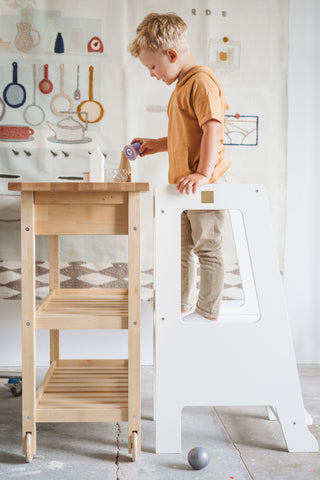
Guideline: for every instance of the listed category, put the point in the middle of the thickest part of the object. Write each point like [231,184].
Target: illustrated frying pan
[61,102]
[2,109]
[14,94]
[46,86]
[33,114]
[93,108]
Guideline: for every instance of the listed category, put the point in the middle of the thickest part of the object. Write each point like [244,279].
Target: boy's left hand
[191,182]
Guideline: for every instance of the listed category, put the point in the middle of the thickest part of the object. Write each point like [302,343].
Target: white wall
[302,246]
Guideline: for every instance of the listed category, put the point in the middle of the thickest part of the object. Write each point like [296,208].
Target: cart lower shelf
[84,308]
[84,391]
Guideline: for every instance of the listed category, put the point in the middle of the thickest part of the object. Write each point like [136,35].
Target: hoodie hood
[194,71]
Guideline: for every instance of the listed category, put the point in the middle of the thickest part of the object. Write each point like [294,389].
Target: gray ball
[198,458]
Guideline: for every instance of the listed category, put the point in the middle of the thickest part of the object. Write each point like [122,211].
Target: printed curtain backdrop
[61,59]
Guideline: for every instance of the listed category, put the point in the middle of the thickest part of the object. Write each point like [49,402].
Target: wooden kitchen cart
[80,390]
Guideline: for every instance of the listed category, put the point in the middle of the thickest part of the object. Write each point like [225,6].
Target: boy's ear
[172,54]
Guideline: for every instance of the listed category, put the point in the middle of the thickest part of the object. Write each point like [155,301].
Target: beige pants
[201,237]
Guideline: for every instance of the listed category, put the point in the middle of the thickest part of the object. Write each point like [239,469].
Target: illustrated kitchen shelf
[41,58]
[80,390]
[40,139]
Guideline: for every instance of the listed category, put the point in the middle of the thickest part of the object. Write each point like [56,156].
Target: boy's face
[163,66]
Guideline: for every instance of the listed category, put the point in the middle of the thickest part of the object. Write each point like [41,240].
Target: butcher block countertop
[78,187]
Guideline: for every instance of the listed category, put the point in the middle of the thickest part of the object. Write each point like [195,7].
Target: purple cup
[132,151]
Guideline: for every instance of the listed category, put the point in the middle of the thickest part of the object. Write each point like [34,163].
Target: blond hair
[159,32]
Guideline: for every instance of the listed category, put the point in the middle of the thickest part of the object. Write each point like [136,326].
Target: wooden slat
[65,371]
[81,312]
[78,187]
[112,396]
[56,307]
[93,292]
[47,322]
[89,375]
[102,380]
[82,304]
[89,363]
[79,389]
[79,386]
[81,415]
[86,377]
[93,386]
[79,402]
[90,371]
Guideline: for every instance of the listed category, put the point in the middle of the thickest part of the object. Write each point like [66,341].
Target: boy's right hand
[151,145]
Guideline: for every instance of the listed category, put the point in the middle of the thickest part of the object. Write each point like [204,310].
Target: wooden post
[28,320]
[134,411]
[54,282]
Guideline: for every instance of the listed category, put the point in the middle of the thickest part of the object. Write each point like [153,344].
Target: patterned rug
[95,275]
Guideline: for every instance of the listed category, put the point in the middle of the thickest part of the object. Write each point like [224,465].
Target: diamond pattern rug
[95,275]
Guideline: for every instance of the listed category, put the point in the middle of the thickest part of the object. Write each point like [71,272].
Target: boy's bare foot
[197,318]
[186,312]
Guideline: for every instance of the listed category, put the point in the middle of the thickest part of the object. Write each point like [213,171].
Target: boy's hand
[191,182]
[151,145]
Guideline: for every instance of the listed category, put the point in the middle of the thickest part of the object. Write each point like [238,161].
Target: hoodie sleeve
[207,99]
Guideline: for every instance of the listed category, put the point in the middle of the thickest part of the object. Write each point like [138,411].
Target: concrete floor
[242,443]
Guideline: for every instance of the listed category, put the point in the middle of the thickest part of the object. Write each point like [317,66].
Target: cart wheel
[28,454]
[16,389]
[134,445]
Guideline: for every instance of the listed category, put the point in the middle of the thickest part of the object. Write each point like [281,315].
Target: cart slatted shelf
[103,308]
[84,391]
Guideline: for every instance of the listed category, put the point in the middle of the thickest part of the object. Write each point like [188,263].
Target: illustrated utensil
[33,114]
[92,107]
[14,94]
[2,109]
[61,102]
[46,86]
[77,93]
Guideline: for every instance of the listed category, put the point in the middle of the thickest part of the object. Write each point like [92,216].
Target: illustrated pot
[68,130]
[15,132]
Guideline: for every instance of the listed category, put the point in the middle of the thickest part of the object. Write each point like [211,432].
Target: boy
[196,152]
